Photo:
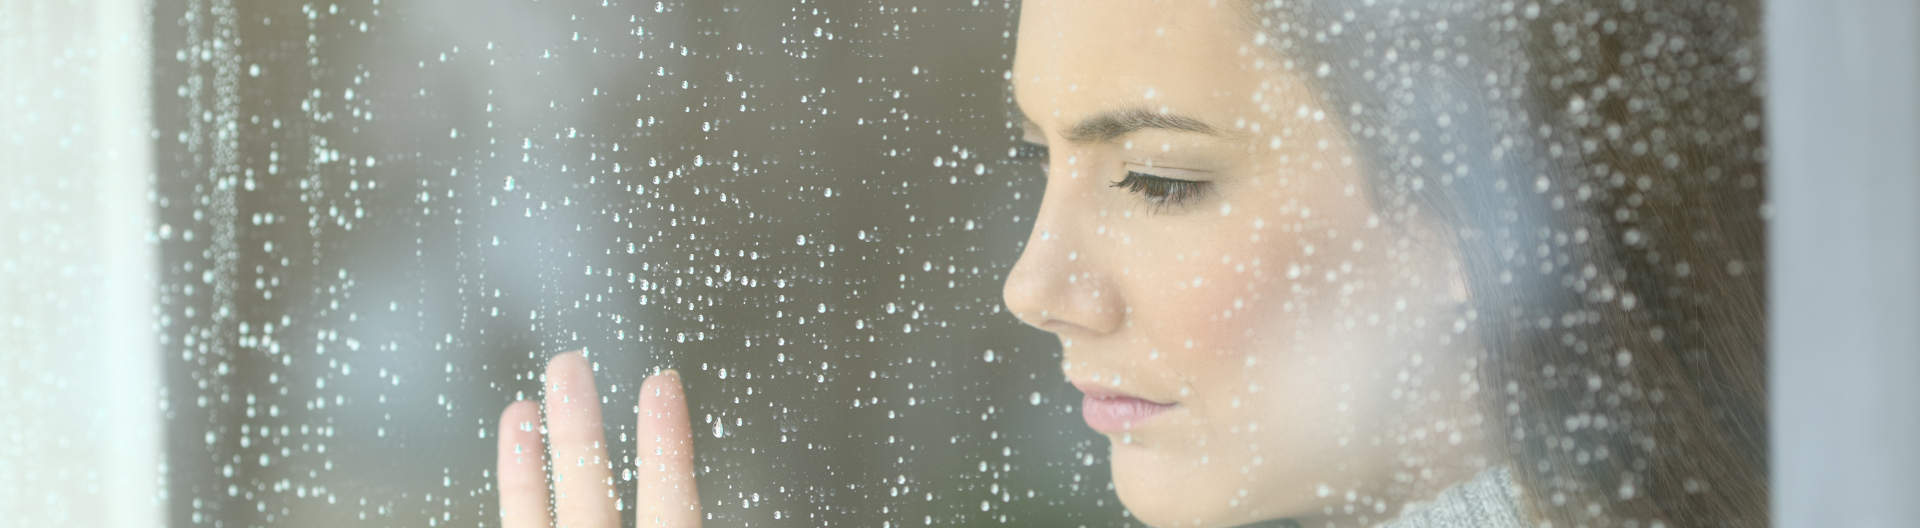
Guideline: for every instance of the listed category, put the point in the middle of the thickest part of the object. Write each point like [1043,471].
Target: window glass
[379,219]
[959,263]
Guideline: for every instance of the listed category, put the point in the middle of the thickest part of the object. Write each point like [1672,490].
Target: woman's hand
[583,477]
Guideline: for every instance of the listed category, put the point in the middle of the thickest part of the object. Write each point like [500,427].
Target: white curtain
[80,440]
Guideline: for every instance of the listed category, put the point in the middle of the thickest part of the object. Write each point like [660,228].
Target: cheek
[1196,304]
[1229,286]
[1271,313]
[1222,310]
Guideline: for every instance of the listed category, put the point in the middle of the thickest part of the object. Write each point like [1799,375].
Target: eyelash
[1162,192]
[1159,192]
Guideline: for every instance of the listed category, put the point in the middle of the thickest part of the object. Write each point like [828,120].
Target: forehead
[1080,57]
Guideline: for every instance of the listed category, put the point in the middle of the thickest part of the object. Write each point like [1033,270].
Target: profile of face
[1254,337]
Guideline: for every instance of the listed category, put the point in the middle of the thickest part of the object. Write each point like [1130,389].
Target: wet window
[912,262]
[385,217]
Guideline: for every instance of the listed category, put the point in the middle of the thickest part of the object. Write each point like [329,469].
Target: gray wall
[1845,127]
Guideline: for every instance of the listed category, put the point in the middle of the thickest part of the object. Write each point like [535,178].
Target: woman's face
[1253,337]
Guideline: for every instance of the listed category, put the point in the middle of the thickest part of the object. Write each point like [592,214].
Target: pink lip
[1110,411]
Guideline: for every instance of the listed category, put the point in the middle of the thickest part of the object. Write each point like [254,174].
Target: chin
[1169,490]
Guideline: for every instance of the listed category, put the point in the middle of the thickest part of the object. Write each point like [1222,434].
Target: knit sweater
[1488,500]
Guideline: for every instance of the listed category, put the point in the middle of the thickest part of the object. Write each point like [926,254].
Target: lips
[1110,411]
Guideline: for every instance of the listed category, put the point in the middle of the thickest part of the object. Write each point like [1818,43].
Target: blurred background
[375,221]
[379,218]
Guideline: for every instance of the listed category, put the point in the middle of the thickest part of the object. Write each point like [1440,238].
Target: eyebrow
[1109,126]
[1112,125]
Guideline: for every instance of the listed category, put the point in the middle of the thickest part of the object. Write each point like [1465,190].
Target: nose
[1060,283]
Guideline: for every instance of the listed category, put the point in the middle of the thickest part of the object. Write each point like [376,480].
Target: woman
[1337,265]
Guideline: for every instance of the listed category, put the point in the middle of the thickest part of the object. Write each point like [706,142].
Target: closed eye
[1162,192]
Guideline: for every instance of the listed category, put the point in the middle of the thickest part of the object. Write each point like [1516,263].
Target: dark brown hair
[1600,166]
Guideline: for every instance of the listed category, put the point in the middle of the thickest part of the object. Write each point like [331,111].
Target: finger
[583,493]
[522,472]
[668,497]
